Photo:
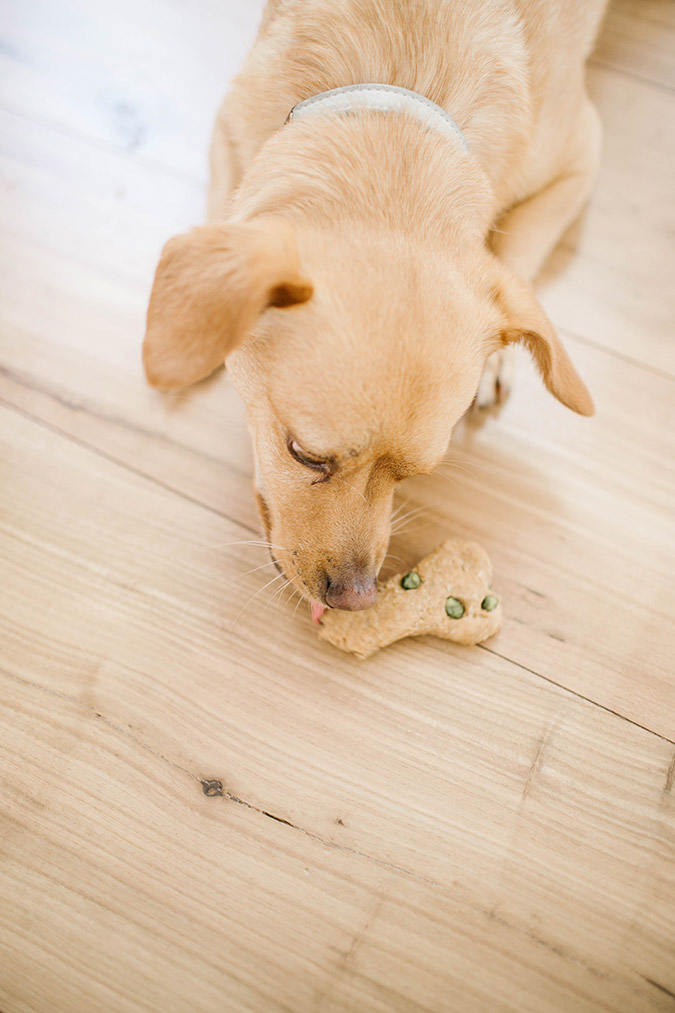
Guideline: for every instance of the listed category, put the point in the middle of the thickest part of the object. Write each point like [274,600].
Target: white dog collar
[383,98]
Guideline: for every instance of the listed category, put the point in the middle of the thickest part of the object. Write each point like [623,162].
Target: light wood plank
[142,78]
[639,38]
[609,279]
[542,845]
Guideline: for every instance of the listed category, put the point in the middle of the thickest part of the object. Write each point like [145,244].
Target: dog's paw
[495,384]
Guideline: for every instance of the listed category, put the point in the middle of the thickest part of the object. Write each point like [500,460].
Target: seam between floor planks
[125,464]
[597,346]
[82,407]
[238,524]
[572,692]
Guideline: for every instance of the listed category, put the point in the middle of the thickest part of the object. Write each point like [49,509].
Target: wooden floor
[206,809]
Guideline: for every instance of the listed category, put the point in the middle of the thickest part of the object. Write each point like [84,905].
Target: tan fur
[359,270]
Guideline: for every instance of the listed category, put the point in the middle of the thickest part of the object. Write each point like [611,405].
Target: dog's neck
[471,61]
[388,171]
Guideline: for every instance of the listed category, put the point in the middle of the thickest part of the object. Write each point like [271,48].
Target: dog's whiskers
[291,596]
[250,541]
[400,523]
[397,512]
[298,604]
[410,531]
[260,590]
[255,569]
[401,517]
[466,465]
[280,590]
[453,482]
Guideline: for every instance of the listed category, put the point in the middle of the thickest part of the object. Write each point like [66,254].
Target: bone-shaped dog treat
[447,594]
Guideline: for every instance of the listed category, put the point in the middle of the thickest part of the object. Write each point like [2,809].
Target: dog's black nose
[353,592]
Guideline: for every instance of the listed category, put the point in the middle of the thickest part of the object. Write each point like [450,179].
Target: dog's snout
[352,592]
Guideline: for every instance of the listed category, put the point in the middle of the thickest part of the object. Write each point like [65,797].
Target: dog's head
[356,353]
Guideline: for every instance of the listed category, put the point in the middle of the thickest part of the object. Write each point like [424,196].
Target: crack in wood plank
[537,762]
[670,778]
[661,988]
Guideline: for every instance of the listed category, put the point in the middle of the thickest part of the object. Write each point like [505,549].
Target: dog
[368,258]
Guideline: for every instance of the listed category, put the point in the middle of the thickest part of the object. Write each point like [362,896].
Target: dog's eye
[322,466]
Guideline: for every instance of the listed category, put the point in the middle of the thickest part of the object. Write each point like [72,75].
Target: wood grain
[437,829]
[139,78]
[525,825]
[609,278]
[247,913]
[638,39]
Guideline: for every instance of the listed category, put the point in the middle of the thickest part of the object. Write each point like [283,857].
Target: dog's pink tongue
[317,612]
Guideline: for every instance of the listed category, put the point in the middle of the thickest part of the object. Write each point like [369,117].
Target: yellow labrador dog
[387,177]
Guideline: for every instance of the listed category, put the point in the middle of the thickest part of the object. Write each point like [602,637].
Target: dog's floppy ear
[526,322]
[210,287]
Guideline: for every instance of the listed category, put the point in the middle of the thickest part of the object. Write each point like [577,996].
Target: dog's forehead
[360,339]
[349,406]
[385,357]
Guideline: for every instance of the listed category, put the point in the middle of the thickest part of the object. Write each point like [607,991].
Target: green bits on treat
[454,608]
[489,603]
[410,581]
